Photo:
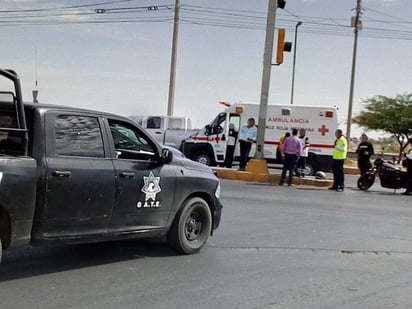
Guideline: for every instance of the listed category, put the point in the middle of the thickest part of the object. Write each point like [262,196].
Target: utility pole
[170,102]
[352,80]
[267,66]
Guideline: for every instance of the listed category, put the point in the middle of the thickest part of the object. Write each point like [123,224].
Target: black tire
[202,157]
[311,166]
[310,169]
[366,181]
[191,227]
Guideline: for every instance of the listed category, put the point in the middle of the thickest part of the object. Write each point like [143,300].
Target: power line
[196,15]
[398,22]
[66,7]
[385,14]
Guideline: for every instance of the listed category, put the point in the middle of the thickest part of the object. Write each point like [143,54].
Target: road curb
[266,177]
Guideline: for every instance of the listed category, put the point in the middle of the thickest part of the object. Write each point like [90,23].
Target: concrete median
[257,171]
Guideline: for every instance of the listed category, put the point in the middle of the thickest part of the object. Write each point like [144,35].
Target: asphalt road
[277,247]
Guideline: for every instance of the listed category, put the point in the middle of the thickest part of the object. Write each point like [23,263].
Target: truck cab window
[8,114]
[154,122]
[78,136]
[175,123]
[8,119]
[235,120]
[11,140]
[129,143]
[216,127]
[11,143]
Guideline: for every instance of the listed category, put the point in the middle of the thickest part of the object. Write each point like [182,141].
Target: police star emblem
[151,186]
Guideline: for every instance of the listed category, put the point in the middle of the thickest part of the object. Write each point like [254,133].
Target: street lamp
[294,61]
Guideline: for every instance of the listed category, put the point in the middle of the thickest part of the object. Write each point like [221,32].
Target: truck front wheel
[202,157]
[191,227]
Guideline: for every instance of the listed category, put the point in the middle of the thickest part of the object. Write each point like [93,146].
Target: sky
[119,61]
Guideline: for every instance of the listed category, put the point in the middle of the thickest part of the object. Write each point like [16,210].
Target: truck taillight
[329,114]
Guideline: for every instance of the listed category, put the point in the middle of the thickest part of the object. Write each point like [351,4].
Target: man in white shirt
[304,142]
[247,136]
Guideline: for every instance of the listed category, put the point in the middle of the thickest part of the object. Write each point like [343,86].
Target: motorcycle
[391,176]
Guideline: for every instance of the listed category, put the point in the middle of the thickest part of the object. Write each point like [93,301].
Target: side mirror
[167,155]
[207,130]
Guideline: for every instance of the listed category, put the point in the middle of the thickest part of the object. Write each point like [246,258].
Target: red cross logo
[323,130]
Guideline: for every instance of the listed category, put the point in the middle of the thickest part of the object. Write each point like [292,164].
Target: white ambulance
[208,146]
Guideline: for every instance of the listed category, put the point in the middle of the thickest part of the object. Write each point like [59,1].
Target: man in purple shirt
[290,153]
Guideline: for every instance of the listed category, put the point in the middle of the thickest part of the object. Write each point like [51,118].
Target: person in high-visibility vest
[339,155]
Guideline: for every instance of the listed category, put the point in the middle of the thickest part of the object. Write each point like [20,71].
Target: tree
[391,115]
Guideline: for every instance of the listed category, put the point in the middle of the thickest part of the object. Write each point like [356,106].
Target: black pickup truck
[70,175]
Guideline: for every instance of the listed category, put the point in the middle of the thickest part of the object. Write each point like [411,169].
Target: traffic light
[282,46]
[281,4]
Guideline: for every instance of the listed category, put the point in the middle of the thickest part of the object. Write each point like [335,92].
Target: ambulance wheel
[202,157]
[191,227]
[365,181]
[311,168]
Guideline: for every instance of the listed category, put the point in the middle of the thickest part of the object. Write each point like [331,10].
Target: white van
[320,123]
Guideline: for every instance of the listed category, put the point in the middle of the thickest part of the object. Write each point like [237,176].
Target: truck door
[218,133]
[144,186]
[217,136]
[80,181]
[234,119]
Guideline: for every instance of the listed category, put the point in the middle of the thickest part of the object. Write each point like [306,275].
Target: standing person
[279,150]
[247,136]
[291,153]
[408,164]
[230,145]
[304,142]
[339,155]
[364,151]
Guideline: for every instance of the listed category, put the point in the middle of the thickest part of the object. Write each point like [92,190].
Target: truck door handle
[62,173]
[158,132]
[127,174]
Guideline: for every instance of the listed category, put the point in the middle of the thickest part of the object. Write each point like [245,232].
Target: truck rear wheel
[192,227]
